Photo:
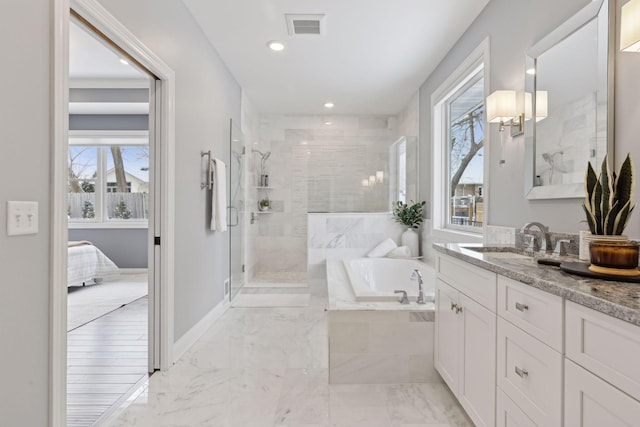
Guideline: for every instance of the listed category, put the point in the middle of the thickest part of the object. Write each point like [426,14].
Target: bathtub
[375,279]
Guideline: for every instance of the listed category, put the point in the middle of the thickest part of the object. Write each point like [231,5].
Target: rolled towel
[400,252]
[382,249]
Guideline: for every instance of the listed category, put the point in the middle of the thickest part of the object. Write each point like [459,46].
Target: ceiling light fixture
[328,105]
[122,61]
[327,123]
[276,45]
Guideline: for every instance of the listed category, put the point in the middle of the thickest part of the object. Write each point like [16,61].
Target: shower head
[264,156]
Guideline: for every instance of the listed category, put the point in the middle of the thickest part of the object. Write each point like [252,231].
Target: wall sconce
[542,105]
[379,176]
[501,108]
[630,27]
[372,180]
[365,182]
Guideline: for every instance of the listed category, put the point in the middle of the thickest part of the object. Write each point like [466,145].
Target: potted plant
[264,204]
[608,205]
[411,217]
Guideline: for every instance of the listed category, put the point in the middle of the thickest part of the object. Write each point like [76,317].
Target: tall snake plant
[608,199]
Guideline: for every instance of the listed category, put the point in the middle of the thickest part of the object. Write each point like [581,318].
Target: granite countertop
[618,299]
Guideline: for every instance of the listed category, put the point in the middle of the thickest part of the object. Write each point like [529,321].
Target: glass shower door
[236,210]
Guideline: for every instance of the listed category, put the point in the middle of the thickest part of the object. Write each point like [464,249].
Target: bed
[87,264]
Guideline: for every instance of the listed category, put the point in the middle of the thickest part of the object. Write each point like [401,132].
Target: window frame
[103,140]
[478,62]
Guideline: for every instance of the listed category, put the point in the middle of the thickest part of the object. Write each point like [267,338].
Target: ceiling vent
[305,24]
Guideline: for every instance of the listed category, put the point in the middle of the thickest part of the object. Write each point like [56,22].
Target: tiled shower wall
[315,167]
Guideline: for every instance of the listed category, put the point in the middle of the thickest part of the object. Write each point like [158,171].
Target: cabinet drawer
[536,312]
[509,415]
[530,373]
[475,282]
[591,402]
[608,347]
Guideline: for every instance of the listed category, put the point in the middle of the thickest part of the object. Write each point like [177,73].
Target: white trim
[134,270]
[479,57]
[109,83]
[98,16]
[190,337]
[58,266]
[83,225]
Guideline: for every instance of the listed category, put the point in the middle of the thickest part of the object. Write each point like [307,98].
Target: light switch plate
[22,218]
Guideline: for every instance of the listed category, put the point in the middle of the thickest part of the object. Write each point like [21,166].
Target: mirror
[569,74]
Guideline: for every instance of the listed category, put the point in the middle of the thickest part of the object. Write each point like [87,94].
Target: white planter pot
[411,239]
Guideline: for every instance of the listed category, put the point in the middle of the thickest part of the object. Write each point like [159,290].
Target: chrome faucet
[403,299]
[416,275]
[546,244]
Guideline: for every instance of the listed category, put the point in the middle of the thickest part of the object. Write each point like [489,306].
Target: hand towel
[219,196]
[382,249]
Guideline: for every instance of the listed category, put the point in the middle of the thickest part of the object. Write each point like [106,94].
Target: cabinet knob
[454,306]
[458,310]
[522,307]
[521,372]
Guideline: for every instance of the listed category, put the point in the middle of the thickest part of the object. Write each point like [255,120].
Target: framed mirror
[569,103]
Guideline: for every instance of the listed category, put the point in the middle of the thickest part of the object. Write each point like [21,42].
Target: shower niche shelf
[264,188]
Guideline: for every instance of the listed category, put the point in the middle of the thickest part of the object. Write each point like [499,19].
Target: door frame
[102,20]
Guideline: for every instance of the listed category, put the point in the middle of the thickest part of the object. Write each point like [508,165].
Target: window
[459,148]
[465,151]
[108,183]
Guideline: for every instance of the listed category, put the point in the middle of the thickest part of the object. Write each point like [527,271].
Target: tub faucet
[416,275]
[546,243]
[404,299]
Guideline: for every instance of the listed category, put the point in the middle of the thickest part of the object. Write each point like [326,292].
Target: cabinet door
[446,334]
[591,402]
[477,386]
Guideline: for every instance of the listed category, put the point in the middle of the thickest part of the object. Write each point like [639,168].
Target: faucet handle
[534,243]
[415,274]
[404,299]
[561,247]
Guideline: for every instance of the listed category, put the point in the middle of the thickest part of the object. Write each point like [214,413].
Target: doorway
[120,150]
[111,173]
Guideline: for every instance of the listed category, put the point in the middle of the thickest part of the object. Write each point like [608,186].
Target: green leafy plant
[411,216]
[608,199]
[264,204]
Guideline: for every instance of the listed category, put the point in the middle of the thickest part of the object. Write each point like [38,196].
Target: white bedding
[87,263]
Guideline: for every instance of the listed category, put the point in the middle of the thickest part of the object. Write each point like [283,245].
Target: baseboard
[133,270]
[185,342]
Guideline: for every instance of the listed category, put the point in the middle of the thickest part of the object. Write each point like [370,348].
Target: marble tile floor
[260,367]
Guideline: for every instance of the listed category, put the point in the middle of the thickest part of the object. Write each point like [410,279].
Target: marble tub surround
[381,347]
[377,342]
[341,296]
[616,299]
[333,236]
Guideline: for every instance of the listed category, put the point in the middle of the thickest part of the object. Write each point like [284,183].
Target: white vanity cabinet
[529,349]
[602,369]
[465,336]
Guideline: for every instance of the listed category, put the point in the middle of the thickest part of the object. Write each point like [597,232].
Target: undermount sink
[503,252]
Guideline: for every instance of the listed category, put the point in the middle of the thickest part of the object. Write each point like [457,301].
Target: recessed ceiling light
[122,61]
[328,104]
[276,45]
[531,71]
[327,123]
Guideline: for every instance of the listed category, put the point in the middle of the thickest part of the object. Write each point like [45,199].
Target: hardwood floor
[106,361]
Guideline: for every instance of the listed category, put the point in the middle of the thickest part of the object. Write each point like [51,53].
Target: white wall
[513,26]
[25,175]
[207,95]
